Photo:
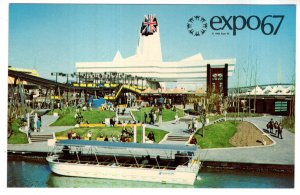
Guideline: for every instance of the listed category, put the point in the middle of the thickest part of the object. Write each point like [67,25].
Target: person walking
[270,125]
[280,131]
[89,135]
[31,125]
[151,117]
[106,139]
[145,117]
[38,125]
[176,118]
[29,133]
[190,125]
[154,118]
[276,127]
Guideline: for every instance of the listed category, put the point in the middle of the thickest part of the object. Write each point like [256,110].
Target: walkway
[175,130]
[282,152]
[46,129]
[124,117]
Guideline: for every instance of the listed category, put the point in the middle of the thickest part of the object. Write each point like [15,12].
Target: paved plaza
[281,152]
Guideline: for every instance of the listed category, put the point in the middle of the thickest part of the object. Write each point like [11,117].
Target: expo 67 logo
[196,25]
[231,25]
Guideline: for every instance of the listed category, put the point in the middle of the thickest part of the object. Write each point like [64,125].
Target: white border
[3,98]
[264,2]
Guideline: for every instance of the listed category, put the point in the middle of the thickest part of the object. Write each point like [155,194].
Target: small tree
[203,120]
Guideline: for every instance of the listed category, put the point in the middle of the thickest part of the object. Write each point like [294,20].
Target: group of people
[126,135]
[73,135]
[79,118]
[152,116]
[34,126]
[123,111]
[192,125]
[277,126]
[193,140]
[122,138]
[145,161]
[112,122]
[151,136]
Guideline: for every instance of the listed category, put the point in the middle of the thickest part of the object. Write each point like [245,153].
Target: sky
[53,37]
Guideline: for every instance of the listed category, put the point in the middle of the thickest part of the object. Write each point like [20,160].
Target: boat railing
[111,163]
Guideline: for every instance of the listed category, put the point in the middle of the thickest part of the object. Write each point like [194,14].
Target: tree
[203,120]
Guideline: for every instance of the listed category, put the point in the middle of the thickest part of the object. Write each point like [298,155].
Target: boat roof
[105,144]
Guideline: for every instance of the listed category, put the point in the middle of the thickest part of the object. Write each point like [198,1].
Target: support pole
[68,91]
[143,134]
[85,96]
[59,98]
[28,121]
[51,99]
[159,120]
[44,104]
[134,134]
[35,120]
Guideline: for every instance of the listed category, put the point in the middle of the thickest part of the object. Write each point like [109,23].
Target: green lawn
[217,135]
[167,114]
[158,134]
[94,116]
[112,131]
[288,123]
[17,137]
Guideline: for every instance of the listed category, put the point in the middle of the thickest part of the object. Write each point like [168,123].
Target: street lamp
[56,74]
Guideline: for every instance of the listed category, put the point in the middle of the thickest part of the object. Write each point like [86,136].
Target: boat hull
[181,175]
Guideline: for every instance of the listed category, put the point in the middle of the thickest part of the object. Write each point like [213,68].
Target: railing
[107,97]
[106,163]
[94,85]
[131,88]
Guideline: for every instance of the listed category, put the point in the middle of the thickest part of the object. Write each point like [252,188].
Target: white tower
[149,48]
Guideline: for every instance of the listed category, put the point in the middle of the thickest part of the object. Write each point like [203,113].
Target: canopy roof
[126,145]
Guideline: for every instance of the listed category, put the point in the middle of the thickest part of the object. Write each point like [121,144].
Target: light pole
[56,74]
[67,75]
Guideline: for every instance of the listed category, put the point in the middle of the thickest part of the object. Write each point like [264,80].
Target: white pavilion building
[147,61]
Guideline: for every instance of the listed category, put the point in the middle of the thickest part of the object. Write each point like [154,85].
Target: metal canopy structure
[126,145]
[49,83]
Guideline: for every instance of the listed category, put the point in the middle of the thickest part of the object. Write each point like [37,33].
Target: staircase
[119,89]
[219,120]
[126,117]
[177,138]
[114,97]
[41,138]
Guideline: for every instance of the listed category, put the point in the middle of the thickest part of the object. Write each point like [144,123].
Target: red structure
[217,81]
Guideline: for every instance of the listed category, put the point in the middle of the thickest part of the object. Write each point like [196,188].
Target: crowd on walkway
[34,125]
[277,126]
[152,116]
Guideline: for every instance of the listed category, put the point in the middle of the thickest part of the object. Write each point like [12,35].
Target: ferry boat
[162,163]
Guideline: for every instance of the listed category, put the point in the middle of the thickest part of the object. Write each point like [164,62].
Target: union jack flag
[149,26]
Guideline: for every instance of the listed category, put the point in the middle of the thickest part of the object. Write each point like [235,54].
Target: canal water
[37,174]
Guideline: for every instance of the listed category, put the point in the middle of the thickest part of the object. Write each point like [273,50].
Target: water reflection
[38,174]
[219,178]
